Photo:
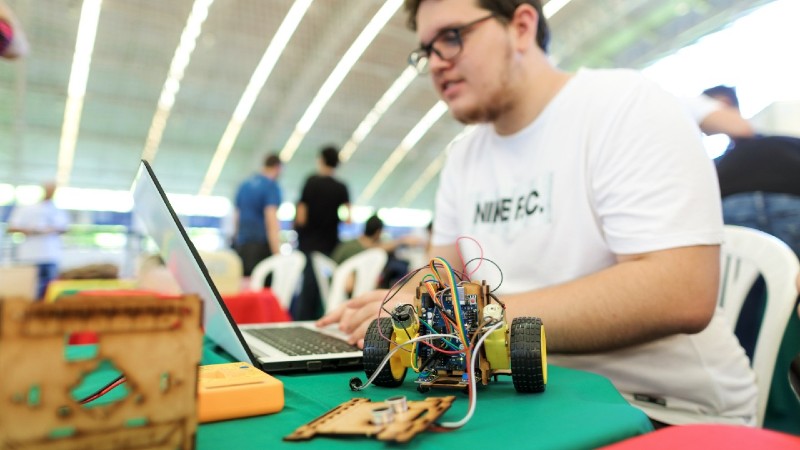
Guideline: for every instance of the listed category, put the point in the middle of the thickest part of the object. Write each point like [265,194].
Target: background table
[578,410]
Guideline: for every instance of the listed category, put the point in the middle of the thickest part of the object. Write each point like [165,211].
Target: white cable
[472,387]
[427,337]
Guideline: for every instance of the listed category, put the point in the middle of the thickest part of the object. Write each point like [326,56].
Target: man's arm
[300,215]
[642,298]
[273,226]
[235,223]
[727,120]
[355,315]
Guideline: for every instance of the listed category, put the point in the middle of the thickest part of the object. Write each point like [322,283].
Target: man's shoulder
[620,77]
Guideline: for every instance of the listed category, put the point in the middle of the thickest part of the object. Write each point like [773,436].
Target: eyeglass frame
[419,57]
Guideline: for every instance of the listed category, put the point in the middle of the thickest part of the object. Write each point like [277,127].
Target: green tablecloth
[578,410]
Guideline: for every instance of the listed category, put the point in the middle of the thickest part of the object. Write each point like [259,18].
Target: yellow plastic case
[227,391]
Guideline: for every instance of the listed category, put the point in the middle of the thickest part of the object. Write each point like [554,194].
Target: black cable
[494,297]
[103,390]
[494,264]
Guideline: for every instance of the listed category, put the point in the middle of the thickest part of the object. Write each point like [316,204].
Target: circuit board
[435,363]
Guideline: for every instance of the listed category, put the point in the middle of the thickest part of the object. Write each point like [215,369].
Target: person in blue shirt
[256,225]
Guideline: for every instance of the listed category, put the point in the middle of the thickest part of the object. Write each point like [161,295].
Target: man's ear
[524,26]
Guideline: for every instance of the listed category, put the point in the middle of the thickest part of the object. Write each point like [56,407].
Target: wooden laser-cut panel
[354,418]
[155,343]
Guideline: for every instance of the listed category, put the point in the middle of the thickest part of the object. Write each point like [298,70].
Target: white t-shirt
[613,165]
[39,248]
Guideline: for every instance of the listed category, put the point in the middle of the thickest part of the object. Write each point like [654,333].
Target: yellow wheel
[376,347]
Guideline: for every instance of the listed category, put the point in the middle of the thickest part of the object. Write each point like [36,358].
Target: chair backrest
[746,253]
[19,281]
[366,266]
[323,267]
[225,269]
[286,271]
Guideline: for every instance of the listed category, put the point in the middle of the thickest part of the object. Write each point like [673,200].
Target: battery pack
[231,390]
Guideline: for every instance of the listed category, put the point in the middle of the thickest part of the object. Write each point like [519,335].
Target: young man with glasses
[593,194]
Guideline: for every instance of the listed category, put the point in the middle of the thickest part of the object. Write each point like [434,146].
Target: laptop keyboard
[296,341]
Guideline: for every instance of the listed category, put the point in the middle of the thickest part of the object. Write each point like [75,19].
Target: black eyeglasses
[447,44]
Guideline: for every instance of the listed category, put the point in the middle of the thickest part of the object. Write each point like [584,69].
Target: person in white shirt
[42,223]
[716,111]
[593,194]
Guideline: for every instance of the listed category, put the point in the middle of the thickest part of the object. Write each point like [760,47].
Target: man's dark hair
[330,156]
[502,9]
[272,160]
[728,92]
[373,227]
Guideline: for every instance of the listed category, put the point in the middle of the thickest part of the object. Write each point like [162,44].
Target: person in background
[592,192]
[370,238]
[759,180]
[317,224]
[42,223]
[256,225]
[13,43]
[717,111]
[395,268]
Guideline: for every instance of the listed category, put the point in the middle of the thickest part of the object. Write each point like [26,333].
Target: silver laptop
[273,347]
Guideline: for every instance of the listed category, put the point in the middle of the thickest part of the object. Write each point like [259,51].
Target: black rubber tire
[527,355]
[375,350]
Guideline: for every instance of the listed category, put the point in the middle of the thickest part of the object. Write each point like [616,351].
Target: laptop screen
[159,221]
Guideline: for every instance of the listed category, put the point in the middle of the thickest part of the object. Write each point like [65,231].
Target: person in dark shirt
[317,224]
[759,181]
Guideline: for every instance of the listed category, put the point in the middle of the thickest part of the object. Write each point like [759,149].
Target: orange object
[231,390]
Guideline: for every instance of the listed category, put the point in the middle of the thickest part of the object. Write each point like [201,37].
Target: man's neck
[537,87]
[366,241]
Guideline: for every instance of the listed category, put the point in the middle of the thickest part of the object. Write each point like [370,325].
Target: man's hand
[354,316]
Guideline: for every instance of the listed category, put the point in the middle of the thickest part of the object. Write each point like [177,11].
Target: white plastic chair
[366,266]
[286,271]
[225,268]
[746,253]
[323,267]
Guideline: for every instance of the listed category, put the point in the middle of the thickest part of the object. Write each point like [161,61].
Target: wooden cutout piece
[354,418]
[149,340]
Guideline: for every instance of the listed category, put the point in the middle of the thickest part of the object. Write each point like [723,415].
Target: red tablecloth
[707,437]
[255,307]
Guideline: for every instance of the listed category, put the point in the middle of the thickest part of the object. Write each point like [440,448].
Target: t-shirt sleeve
[701,106]
[271,195]
[16,220]
[655,187]
[61,219]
